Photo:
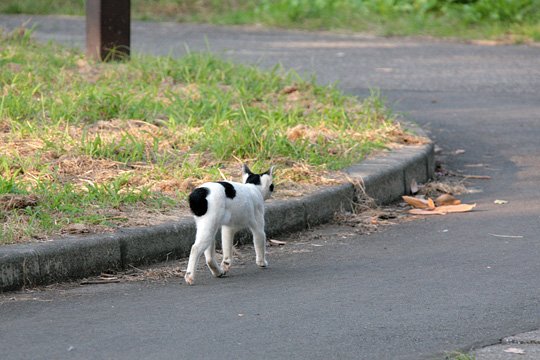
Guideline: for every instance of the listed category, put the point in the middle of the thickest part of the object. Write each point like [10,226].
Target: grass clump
[456,355]
[509,20]
[91,146]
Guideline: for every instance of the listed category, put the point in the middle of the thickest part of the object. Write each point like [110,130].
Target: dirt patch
[11,202]
[85,169]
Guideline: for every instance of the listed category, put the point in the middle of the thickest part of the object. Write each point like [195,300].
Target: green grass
[96,142]
[510,20]
[459,356]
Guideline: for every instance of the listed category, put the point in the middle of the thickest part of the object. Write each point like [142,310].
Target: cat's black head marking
[254,179]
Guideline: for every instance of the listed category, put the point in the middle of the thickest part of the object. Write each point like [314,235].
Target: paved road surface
[410,292]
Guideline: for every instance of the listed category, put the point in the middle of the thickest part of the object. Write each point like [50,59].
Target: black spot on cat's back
[197,201]
[230,191]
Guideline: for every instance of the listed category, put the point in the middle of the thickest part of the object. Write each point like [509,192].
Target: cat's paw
[218,271]
[226,266]
[189,279]
[262,264]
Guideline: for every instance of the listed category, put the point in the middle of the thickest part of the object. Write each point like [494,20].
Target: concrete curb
[385,178]
[527,344]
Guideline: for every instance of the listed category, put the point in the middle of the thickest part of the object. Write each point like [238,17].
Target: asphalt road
[412,291]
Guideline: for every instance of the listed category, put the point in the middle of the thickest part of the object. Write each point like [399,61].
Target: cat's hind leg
[259,242]
[211,262]
[203,240]
[227,237]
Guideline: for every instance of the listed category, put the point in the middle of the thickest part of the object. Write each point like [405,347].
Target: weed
[9,186]
[96,141]
[517,19]
[459,356]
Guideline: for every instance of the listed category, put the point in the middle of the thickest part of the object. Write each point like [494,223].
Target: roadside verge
[384,178]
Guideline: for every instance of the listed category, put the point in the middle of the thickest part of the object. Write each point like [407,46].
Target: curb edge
[385,177]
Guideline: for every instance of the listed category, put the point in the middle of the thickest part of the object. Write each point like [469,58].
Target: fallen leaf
[515,351]
[276,242]
[426,212]
[443,210]
[418,202]
[500,202]
[447,199]
[289,89]
[507,236]
[455,208]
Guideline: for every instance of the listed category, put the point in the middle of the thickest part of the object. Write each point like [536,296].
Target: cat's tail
[197,201]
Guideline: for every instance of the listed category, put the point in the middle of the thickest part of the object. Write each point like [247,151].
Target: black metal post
[108,29]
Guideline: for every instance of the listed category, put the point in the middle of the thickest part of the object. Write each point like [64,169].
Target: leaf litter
[15,201]
[446,203]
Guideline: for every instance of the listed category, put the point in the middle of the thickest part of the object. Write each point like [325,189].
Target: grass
[459,356]
[94,146]
[508,20]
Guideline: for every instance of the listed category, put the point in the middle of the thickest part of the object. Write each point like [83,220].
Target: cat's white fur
[245,210]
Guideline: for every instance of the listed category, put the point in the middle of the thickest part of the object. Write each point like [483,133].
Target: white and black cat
[231,206]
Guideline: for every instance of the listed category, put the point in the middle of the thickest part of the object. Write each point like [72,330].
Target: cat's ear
[271,171]
[246,170]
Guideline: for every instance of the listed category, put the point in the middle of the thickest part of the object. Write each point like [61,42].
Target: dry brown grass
[107,145]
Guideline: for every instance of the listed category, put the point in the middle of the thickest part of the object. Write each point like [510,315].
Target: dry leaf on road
[276,242]
[507,236]
[426,212]
[443,210]
[446,204]
[515,351]
[455,208]
[419,203]
[447,199]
